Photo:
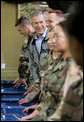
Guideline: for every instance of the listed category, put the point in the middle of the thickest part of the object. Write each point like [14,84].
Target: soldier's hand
[20,81]
[30,116]
[16,80]
[30,107]
[23,80]
[26,109]
[23,119]
[23,101]
[17,83]
[29,89]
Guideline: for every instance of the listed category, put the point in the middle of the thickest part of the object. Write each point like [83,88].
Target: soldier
[45,12]
[74,30]
[52,79]
[71,106]
[53,18]
[25,28]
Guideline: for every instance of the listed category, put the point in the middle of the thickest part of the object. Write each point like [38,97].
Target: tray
[12,91]
[11,97]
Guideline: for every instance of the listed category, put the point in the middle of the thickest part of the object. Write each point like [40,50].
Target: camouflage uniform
[51,88]
[23,68]
[43,68]
[36,58]
[71,106]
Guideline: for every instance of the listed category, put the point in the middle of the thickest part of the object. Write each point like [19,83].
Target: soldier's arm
[35,91]
[23,61]
[71,107]
[24,67]
[30,38]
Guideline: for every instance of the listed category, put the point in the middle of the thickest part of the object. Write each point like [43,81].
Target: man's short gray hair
[37,13]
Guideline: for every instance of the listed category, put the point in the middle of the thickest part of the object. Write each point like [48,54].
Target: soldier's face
[39,24]
[51,40]
[23,30]
[52,21]
[58,41]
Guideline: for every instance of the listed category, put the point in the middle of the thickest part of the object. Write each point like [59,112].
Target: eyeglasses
[55,36]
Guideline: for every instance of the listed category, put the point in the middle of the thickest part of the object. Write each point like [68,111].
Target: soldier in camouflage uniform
[24,27]
[34,93]
[71,106]
[52,79]
[67,109]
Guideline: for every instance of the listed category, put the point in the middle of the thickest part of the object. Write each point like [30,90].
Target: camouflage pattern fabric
[71,106]
[23,68]
[51,87]
[43,68]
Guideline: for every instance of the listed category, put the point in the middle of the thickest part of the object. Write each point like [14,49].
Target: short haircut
[56,11]
[37,13]
[22,21]
[59,13]
[73,26]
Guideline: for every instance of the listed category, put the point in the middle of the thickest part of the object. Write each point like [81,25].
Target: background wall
[11,41]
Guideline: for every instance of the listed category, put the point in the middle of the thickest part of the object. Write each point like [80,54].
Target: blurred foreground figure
[74,30]
[71,106]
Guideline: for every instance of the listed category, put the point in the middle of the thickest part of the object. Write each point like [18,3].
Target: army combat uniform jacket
[71,106]
[23,68]
[51,87]
[43,68]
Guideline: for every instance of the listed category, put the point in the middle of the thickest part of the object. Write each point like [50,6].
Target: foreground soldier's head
[74,30]
[57,40]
